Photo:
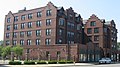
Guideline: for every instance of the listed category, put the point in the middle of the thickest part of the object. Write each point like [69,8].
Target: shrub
[69,61]
[29,62]
[62,62]
[41,62]
[52,62]
[15,63]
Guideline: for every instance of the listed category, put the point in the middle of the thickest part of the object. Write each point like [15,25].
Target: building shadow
[1,65]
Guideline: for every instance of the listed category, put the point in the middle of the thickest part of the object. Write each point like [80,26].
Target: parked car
[104,60]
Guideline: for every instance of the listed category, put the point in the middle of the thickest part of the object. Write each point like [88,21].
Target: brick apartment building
[53,33]
[103,35]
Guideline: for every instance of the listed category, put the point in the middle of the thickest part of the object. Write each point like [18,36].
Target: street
[65,65]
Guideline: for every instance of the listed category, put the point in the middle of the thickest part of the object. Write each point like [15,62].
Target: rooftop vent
[22,10]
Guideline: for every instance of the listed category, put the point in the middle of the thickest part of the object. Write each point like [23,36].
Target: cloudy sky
[104,9]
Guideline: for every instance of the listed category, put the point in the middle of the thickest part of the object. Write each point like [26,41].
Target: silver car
[105,60]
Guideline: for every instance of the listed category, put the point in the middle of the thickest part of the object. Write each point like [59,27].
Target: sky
[104,9]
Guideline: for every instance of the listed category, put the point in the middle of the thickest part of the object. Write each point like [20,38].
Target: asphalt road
[101,65]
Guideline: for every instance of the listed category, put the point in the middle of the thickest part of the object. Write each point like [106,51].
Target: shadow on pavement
[3,66]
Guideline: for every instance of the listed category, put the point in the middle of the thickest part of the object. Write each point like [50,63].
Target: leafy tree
[118,45]
[6,51]
[18,51]
[1,50]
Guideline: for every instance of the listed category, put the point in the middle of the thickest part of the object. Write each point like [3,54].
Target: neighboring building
[113,38]
[103,35]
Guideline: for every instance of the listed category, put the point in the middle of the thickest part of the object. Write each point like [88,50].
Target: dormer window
[93,23]
[61,21]
[8,20]
[48,13]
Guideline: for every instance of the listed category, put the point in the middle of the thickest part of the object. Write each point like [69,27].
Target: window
[8,27]
[60,31]
[58,52]
[71,16]
[30,16]
[28,42]
[22,34]
[29,24]
[90,37]
[72,34]
[8,20]
[61,21]
[96,44]
[60,41]
[15,34]
[23,17]
[47,41]
[7,42]
[14,42]
[15,18]
[92,23]
[27,50]
[68,34]
[15,26]
[96,38]
[48,22]
[96,30]
[38,41]
[105,30]
[21,42]
[22,25]
[48,13]
[71,25]
[38,23]
[89,30]
[29,33]
[39,14]
[79,27]
[38,32]
[48,32]
[7,35]
[47,53]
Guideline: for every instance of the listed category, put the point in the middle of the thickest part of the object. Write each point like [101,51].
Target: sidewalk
[49,65]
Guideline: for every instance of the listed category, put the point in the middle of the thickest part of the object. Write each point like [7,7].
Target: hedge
[41,62]
[69,61]
[29,62]
[15,63]
[62,62]
[52,62]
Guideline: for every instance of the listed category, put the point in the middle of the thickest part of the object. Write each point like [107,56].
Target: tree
[6,51]
[1,50]
[18,51]
[118,45]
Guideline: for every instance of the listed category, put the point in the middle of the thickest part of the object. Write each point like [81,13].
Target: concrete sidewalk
[49,65]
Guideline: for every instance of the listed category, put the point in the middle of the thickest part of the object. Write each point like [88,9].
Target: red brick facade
[52,33]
